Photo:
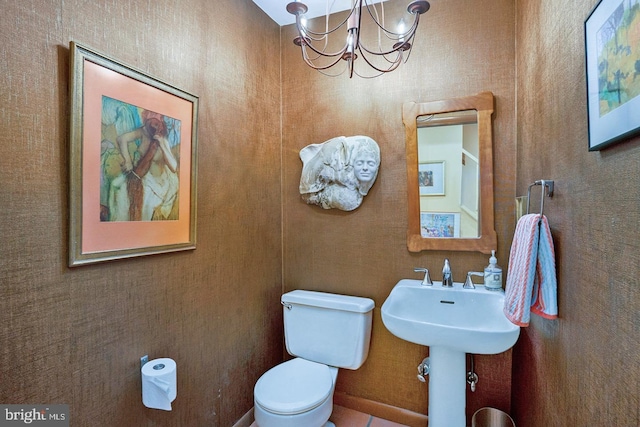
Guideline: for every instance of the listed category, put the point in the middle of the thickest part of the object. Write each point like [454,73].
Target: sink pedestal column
[447,387]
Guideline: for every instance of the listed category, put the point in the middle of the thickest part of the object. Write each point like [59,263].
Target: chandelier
[393,47]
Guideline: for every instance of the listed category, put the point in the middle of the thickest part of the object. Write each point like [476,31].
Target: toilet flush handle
[289,307]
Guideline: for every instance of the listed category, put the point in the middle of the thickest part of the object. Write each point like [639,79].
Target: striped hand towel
[531,279]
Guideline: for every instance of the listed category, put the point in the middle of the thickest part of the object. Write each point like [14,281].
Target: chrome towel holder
[547,186]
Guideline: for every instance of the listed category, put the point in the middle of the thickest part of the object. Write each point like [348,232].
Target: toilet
[324,332]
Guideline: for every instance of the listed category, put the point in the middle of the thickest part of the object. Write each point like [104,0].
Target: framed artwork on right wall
[612,43]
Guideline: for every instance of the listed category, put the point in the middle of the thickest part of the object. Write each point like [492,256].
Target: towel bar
[546,184]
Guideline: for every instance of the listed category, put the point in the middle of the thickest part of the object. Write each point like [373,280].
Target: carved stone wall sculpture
[339,172]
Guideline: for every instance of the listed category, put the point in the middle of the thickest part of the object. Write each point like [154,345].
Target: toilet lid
[294,387]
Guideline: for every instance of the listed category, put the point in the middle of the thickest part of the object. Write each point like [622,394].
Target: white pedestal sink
[452,322]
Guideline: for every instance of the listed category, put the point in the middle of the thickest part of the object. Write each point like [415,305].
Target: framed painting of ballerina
[133,160]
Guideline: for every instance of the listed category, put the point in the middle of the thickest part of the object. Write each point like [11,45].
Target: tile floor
[344,417]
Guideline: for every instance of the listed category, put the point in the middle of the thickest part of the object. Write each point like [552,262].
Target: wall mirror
[449,147]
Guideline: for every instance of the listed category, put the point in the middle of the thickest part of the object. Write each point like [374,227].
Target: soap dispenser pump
[493,274]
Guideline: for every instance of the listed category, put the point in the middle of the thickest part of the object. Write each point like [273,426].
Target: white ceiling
[277,9]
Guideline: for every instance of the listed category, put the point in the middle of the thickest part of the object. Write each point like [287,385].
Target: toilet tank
[328,328]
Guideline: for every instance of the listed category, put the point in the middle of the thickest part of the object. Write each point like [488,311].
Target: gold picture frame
[133,162]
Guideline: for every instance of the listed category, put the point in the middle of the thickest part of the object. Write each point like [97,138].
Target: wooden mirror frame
[483,104]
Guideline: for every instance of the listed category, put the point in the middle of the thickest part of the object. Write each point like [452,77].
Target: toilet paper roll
[159,383]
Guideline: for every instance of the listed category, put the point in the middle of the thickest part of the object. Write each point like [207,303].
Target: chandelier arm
[333,75]
[327,31]
[309,62]
[396,53]
[398,48]
[367,77]
[406,57]
[315,39]
[313,59]
[388,33]
[326,54]
[307,30]
[405,45]
[373,18]
[393,66]
[402,58]
[381,30]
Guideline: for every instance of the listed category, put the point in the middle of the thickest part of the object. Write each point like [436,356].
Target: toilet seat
[294,387]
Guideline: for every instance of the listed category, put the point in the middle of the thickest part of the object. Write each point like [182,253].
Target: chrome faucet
[447,277]
[427,279]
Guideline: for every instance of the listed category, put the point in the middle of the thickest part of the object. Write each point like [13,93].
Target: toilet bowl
[324,332]
[294,394]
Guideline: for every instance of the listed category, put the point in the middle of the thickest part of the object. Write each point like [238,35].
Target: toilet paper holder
[143,360]
[159,382]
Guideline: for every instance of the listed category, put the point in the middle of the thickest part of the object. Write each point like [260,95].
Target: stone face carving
[339,172]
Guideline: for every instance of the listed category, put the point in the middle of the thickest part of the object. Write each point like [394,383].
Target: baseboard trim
[246,420]
[380,410]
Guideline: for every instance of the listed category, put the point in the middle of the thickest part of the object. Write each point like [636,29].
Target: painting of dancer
[133,162]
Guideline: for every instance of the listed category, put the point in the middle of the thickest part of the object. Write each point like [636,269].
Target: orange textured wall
[462,48]
[75,336]
[580,369]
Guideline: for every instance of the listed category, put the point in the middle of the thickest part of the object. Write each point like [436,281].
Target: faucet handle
[468,284]
[427,278]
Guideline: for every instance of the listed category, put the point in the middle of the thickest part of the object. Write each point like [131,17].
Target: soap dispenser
[493,274]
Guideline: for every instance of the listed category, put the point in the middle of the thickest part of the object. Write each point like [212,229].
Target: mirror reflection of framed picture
[431,178]
[439,224]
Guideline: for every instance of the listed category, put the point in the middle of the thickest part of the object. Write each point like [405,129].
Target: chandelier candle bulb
[401,30]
